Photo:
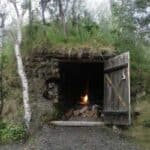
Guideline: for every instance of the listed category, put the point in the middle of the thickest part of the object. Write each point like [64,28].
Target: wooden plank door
[117,109]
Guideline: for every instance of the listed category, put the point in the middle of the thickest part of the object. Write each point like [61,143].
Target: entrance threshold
[77,123]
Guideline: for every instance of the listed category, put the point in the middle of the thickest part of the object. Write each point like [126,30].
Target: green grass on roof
[51,38]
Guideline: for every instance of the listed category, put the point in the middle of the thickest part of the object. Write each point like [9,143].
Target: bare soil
[75,138]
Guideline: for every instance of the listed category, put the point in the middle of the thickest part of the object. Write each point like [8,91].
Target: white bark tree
[21,71]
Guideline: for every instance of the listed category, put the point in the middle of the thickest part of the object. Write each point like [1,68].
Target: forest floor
[75,138]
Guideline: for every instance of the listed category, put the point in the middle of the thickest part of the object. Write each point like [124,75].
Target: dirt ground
[75,138]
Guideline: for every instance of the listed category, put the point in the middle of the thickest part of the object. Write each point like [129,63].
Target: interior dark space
[80,79]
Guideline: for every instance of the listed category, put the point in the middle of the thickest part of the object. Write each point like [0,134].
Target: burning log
[84,100]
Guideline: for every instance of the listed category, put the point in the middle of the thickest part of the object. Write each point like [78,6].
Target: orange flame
[85,99]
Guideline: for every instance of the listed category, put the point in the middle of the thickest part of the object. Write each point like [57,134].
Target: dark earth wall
[47,81]
[43,75]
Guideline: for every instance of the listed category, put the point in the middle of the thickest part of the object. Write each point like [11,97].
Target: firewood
[76,112]
[69,113]
[83,109]
[95,107]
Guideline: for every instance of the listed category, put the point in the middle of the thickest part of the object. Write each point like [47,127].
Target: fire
[85,99]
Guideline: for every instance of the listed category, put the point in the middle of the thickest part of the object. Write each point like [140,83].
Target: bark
[74,16]
[30,13]
[43,7]
[43,12]
[21,72]
[62,16]
[20,67]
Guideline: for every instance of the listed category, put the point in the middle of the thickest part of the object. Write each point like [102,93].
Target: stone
[95,107]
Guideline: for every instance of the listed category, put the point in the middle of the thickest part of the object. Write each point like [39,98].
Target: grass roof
[77,44]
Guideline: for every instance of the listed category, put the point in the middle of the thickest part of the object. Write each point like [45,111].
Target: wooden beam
[77,123]
[115,68]
[117,112]
[82,60]
[120,99]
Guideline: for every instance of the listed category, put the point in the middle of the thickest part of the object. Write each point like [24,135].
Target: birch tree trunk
[22,74]
[21,71]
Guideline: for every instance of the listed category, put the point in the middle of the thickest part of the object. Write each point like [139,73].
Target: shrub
[11,132]
[146,123]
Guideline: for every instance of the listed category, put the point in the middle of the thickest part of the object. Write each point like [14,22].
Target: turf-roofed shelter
[68,75]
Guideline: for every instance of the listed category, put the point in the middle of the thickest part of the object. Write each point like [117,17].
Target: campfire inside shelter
[81,90]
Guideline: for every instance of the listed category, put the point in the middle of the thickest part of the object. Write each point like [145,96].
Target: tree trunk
[74,16]
[30,13]
[62,16]
[43,5]
[43,16]
[20,67]
[22,75]
[27,113]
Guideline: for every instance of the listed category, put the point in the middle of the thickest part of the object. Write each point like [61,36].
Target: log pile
[83,113]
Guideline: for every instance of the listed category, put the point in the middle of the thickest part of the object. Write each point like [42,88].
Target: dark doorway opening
[80,79]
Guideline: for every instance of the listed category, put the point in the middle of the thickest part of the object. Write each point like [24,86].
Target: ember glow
[84,99]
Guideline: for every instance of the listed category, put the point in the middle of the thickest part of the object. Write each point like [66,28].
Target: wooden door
[117,109]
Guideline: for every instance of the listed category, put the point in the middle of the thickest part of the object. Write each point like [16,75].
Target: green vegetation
[12,94]
[86,34]
[140,130]
[10,132]
[126,38]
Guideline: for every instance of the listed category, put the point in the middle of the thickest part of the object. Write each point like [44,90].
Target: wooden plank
[116,91]
[116,111]
[77,123]
[80,60]
[117,76]
[129,90]
[63,57]
[117,119]
[108,95]
[116,61]
[115,68]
